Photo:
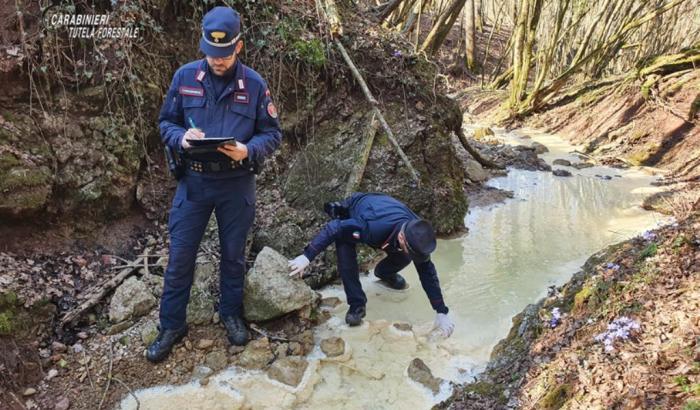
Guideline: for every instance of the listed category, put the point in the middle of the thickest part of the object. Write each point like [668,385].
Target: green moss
[591,295]
[694,108]
[7,325]
[486,389]
[8,160]
[582,296]
[639,157]
[556,398]
[691,405]
[649,251]
[8,298]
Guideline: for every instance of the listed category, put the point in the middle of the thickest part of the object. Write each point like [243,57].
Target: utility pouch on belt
[175,165]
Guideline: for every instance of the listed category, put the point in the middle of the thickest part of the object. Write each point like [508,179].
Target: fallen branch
[336,30]
[101,292]
[267,335]
[109,374]
[366,374]
[359,169]
[475,154]
[138,403]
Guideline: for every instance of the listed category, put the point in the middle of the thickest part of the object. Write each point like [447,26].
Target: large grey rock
[200,308]
[269,290]
[288,370]
[475,172]
[257,354]
[132,298]
[419,372]
[539,148]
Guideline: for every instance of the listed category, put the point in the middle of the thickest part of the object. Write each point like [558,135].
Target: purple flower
[556,318]
[614,266]
[649,236]
[620,328]
[397,53]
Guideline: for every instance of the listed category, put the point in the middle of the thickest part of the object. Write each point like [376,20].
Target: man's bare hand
[193,134]
[236,152]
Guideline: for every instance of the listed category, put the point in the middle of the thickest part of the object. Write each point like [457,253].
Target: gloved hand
[298,264]
[444,324]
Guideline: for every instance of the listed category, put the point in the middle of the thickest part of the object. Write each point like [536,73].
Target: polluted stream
[513,252]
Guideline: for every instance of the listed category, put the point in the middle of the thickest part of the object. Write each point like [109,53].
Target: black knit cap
[420,237]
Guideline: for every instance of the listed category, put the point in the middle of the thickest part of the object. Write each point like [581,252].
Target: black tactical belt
[216,166]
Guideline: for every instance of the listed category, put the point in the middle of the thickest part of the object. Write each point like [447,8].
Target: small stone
[295,349]
[132,298]
[561,173]
[236,349]
[257,354]
[201,372]
[188,344]
[561,161]
[204,344]
[215,319]
[403,326]
[216,360]
[149,332]
[289,370]
[581,165]
[82,335]
[330,302]
[29,391]
[62,403]
[281,350]
[333,346]
[78,348]
[52,373]
[419,372]
[58,347]
[119,327]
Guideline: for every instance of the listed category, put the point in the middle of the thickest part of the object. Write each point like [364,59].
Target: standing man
[381,222]
[215,97]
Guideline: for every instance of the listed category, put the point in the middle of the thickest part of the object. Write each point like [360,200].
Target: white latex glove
[444,324]
[298,264]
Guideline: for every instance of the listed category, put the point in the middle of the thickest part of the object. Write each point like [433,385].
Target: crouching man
[385,223]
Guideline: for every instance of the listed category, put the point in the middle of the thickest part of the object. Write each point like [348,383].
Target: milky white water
[512,253]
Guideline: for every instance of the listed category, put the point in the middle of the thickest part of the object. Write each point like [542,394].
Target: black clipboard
[205,145]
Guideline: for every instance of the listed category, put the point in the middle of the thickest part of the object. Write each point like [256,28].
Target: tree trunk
[442,27]
[470,35]
[519,40]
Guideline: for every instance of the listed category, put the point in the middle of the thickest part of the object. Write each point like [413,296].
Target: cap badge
[217,35]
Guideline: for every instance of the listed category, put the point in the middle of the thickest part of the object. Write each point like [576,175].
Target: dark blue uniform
[375,220]
[244,110]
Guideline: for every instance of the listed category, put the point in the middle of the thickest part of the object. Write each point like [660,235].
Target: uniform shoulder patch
[272,110]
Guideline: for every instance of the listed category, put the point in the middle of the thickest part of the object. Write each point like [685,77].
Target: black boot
[394,281]
[237,332]
[161,347]
[355,315]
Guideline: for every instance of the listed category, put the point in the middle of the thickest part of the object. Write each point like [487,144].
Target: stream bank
[555,356]
[512,253]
